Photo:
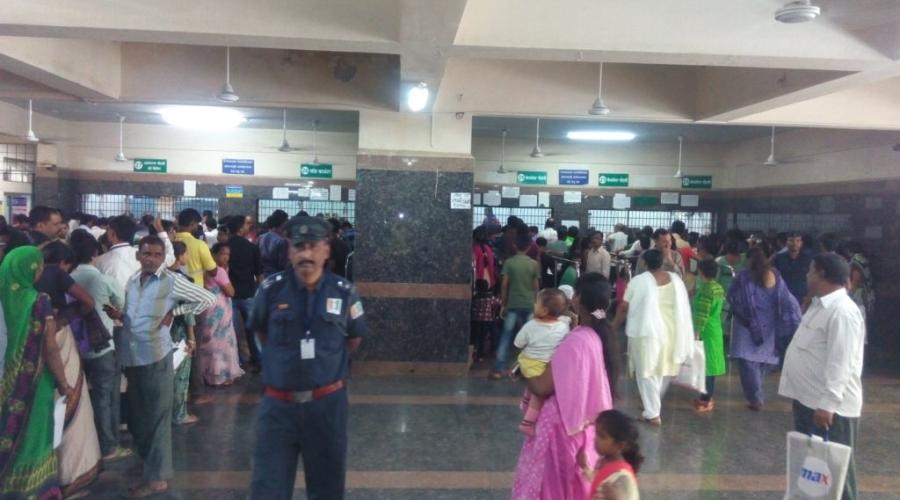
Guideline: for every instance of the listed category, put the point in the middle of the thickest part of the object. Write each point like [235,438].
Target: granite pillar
[413,262]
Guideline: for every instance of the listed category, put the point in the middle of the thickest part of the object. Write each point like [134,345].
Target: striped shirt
[144,339]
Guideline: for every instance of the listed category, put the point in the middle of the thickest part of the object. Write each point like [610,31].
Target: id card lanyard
[308,343]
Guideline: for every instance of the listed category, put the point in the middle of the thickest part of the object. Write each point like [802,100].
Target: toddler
[616,441]
[484,311]
[538,340]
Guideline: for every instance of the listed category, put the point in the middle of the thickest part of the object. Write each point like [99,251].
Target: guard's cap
[302,229]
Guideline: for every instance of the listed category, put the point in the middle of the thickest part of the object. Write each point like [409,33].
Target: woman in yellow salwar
[32,369]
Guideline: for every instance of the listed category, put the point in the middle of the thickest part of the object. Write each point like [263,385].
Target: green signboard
[696,182]
[150,165]
[614,180]
[526,177]
[316,170]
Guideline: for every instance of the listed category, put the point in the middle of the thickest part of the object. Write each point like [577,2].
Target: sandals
[118,454]
[655,421]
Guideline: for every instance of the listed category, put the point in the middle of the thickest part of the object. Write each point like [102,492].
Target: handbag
[816,467]
[692,374]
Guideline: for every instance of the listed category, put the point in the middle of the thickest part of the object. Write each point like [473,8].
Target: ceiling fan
[599,108]
[30,136]
[285,145]
[678,173]
[501,170]
[537,152]
[771,161]
[227,93]
[120,156]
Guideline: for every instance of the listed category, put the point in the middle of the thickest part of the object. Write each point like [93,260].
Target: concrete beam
[326,25]
[83,68]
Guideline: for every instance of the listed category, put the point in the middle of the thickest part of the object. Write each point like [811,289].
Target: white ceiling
[691,61]
[260,118]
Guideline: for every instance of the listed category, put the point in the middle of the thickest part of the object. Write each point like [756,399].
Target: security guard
[307,321]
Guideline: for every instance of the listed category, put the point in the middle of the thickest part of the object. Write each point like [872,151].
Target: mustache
[304,261]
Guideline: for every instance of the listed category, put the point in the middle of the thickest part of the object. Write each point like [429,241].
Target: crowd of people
[87,302]
[568,301]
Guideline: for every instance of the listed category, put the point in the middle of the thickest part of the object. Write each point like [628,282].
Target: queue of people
[89,303]
[790,307]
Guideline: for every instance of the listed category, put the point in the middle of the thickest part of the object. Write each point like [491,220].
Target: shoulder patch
[271,280]
[356,310]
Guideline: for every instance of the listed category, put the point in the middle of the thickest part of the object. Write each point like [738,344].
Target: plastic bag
[692,373]
[815,468]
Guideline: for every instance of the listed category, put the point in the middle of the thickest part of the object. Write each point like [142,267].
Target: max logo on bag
[815,477]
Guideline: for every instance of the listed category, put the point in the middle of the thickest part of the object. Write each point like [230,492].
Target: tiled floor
[445,438]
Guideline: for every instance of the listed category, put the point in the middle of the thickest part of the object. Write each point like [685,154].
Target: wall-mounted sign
[531,177]
[316,170]
[460,201]
[234,191]
[238,167]
[613,180]
[696,182]
[147,165]
[318,194]
[574,177]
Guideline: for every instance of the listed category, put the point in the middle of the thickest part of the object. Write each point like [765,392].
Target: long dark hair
[622,429]
[758,264]
[593,291]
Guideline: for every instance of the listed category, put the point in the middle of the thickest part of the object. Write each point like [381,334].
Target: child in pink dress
[218,344]
[620,458]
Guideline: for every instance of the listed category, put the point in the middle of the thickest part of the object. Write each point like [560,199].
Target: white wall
[650,165]
[821,156]
[92,146]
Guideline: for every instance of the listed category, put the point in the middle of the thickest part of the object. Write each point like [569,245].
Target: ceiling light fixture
[599,107]
[417,97]
[227,94]
[202,117]
[285,147]
[600,135]
[121,155]
[536,152]
[30,136]
[800,11]
[678,174]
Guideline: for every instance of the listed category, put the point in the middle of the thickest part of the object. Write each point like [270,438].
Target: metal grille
[531,216]
[166,207]
[776,222]
[605,220]
[18,161]
[344,210]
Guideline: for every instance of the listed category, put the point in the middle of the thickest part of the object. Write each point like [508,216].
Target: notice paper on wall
[570,197]
[491,198]
[190,188]
[281,193]
[668,198]
[690,200]
[528,200]
[460,201]
[510,191]
[317,194]
[334,193]
[544,199]
[476,199]
[351,194]
[570,223]
[621,201]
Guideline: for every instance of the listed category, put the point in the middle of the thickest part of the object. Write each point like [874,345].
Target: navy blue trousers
[315,431]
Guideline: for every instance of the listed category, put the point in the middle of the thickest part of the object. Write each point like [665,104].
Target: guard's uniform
[305,365]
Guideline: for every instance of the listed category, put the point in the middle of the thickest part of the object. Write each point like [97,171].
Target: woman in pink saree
[578,386]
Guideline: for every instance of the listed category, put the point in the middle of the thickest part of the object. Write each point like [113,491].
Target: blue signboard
[573,177]
[238,167]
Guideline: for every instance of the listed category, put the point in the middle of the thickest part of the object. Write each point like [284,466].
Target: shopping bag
[692,374]
[816,468]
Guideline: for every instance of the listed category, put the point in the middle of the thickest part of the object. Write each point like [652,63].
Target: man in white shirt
[823,365]
[617,240]
[120,261]
[597,259]
[549,233]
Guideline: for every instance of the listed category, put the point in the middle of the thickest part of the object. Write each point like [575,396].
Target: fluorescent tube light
[202,117]
[600,135]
